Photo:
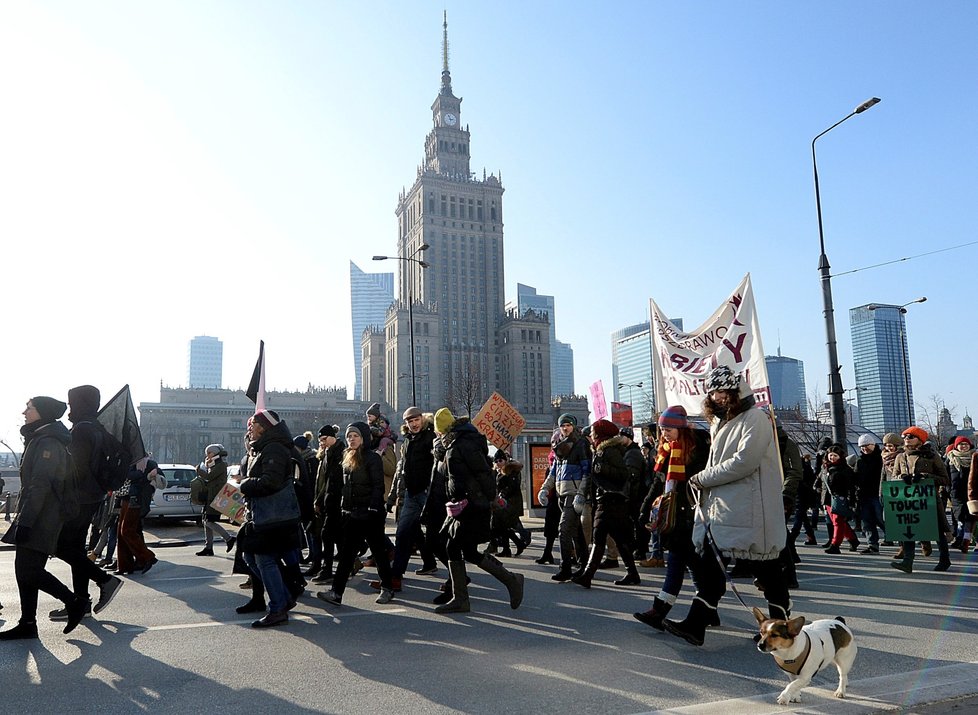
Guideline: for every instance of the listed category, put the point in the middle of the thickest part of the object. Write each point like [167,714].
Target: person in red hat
[920,461]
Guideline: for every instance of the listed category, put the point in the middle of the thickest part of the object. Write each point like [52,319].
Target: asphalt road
[171,642]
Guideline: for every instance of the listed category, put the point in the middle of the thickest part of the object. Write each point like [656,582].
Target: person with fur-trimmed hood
[608,488]
[568,475]
[739,508]
[470,488]
[506,524]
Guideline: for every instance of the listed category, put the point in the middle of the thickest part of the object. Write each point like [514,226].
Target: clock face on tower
[450,119]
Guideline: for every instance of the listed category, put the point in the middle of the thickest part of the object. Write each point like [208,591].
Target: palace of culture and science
[466,344]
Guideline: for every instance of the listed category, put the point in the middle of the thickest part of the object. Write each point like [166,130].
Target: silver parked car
[173,502]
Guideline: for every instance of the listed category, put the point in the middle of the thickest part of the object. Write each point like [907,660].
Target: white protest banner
[499,421]
[731,337]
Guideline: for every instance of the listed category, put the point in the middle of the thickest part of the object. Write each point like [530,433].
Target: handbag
[274,510]
[198,491]
[663,514]
[840,507]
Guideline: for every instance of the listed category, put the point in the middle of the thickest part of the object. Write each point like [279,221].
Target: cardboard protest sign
[910,510]
[499,421]
[230,502]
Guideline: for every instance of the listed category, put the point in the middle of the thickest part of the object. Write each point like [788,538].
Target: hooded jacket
[362,493]
[740,495]
[470,477]
[46,493]
[571,467]
[86,441]
[413,473]
[610,473]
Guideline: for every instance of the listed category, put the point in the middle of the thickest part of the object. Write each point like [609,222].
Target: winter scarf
[960,460]
[670,461]
[889,460]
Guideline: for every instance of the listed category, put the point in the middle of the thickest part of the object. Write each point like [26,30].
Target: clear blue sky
[212,167]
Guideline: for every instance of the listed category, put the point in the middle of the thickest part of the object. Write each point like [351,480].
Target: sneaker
[323,578]
[608,564]
[386,596]
[833,549]
[106,592]
[246,583]
[427,570]
[330,596]
[870,550]
[279,618]
[61,614]
[396,584]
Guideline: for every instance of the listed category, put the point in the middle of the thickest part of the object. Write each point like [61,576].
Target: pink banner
[599,406]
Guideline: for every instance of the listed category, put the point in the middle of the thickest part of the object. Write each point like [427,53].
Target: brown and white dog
[802,651]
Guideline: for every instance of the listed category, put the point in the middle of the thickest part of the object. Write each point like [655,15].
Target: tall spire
[446,76]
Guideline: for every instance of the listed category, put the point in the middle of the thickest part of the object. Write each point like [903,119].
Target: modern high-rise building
[561,354]
[465,345]
[884,390]
[786,376]
[370,297]
[631,371]
[205,362]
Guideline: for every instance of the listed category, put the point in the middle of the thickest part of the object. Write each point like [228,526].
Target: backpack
[110,460]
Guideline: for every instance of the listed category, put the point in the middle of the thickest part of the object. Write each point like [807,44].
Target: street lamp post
[903,351]
[835,371]
[411,259]
[630,386]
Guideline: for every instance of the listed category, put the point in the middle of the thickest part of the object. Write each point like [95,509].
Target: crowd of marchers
[712,505]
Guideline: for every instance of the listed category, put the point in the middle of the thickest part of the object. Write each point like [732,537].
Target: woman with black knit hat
[47,500]
[362,507]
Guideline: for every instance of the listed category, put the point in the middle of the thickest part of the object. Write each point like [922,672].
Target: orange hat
[917,432]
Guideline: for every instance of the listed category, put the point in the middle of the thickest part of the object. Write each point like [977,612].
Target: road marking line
[301,617]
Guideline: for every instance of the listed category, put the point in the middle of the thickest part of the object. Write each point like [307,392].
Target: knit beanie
[866,439]
[604,430]
[918,432]
[329,430]
[266,418]
[892,438]
[567,418]
[963,440]
[301,441]
[364,431]
[627,432]
[49,408]
[721,378]
[215,449]
[374,410]
[444,419]
[673,416]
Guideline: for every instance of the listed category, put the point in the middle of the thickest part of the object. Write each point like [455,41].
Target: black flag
[256,388]
[118,417]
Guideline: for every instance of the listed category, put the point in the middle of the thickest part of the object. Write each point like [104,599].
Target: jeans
[570,530]
[872,514]
[409,532]
[265,567]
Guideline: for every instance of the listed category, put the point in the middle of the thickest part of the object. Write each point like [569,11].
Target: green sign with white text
[910,510]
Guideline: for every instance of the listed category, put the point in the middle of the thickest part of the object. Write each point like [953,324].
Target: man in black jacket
[86,449]
[411,480]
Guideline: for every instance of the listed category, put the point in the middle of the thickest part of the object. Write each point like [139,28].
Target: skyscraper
[561,354]
[465,345]
[205,361]
[787,379]
[631,368]
[370,296]
[882,366]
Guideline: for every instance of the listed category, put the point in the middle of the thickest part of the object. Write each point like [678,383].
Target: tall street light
[835,370]
[630,403]
[413,258]
[903,350]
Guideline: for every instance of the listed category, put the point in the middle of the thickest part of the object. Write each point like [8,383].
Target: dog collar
[794,665]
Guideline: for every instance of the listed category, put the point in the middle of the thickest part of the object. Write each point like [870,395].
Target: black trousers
[355,533]
[711,582]
[71,550]
[31,578]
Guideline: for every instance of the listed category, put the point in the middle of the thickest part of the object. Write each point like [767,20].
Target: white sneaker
[386,596]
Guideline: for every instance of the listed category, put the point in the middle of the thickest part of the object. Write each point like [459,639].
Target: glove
[454,508]
[909,479]
[579,503]
[542,497]
[501,502]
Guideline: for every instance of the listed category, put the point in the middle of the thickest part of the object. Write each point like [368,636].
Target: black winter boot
[655,615]
[692,629]
[583,576]
[512,581]
[459,602]
[547,557]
